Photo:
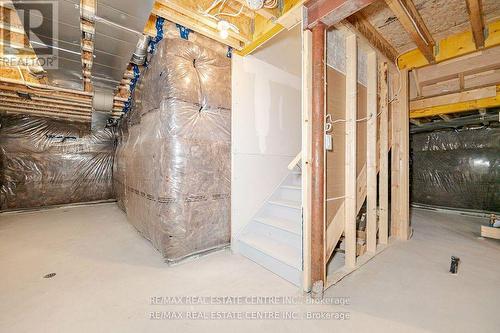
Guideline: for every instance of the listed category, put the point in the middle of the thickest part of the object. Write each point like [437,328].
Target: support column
[318,155]
[404,155]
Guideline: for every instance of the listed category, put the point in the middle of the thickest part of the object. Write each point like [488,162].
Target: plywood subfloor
[107,273]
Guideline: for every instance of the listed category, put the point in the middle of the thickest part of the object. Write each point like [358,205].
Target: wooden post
[396,138]
[371,155]
[384,149]
[400,196]
[318,155]
[350,151]
[404,155]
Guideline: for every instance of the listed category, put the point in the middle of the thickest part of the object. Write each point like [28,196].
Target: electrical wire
[336,198]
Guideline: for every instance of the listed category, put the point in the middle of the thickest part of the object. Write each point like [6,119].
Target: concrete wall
[266,123]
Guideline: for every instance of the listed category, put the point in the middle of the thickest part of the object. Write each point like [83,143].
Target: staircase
[273,238]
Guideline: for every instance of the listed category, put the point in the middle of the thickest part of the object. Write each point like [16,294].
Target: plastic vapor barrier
[49,162]
[172,167]
[457,169]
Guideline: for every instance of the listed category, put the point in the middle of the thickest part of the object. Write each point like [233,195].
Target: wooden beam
[361,24]
[331,12]
[413,23]
[469,64]
[475,9]
[350,150]
[384,155]
[318,272]
[169,14]
[188,11]
[489,102]
[460,97]
[371,154]
[452,47]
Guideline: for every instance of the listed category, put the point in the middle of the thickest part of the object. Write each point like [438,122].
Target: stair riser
[285,213]
[287,272]
[294,180]
[277,234]
[287,194]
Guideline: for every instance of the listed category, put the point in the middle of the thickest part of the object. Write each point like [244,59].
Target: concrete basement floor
[107,274]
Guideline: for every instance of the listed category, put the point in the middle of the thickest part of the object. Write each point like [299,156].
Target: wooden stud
[413,23]
[350,158]
[371,154]
[404,155]
[395,164]
[383,158]
[474,7]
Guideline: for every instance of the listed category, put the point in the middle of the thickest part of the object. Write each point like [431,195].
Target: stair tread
[287,225]
[286,203]
[287,254]
[291,187]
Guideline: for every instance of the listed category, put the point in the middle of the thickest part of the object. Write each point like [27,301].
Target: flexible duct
[141,51]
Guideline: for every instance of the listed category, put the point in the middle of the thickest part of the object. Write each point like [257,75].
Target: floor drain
[48,276]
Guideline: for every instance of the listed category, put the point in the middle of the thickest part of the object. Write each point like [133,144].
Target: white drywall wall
[266,123]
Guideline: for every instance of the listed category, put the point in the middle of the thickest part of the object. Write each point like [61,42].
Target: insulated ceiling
[115,40]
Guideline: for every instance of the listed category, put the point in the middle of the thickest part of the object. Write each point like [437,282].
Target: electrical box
[328,142]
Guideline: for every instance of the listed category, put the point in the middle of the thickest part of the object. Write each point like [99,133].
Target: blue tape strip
[183,31]
[133,83]
[159,35]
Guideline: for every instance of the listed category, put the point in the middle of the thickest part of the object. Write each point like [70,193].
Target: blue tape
[159,35]
[133,83]
[229,53]
[183,31]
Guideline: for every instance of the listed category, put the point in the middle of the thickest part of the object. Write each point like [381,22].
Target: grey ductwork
[141,51]
[103,101]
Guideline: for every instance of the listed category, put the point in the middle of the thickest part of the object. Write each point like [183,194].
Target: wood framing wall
[370,129]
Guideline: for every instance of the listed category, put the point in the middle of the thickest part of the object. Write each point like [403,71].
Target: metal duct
[141,51]
[457,122]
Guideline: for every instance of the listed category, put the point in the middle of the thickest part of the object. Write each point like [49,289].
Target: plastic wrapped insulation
[46,162]
[457,169]
[172,167]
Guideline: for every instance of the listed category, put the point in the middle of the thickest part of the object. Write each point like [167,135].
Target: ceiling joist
[413,23]
[361,24]
[331,12]
[474,7]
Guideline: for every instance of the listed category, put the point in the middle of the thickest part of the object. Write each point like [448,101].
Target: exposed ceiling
[443,18]
[113,45]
